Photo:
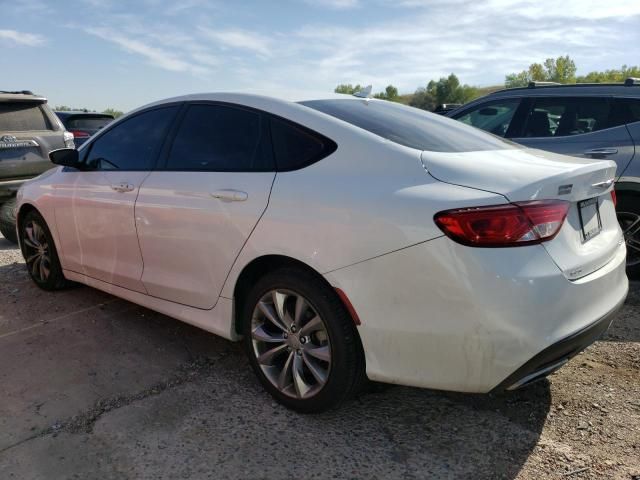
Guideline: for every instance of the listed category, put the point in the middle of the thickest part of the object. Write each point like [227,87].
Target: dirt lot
[95,387]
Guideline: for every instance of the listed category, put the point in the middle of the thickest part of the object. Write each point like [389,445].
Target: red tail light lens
[614,198]
[512,225]
[79,134]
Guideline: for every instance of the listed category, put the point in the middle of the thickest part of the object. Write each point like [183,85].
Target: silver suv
[582,120]
[29,130]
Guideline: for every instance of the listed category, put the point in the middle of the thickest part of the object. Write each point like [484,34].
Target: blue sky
[122,54]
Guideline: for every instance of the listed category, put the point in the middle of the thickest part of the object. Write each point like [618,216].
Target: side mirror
[488,111]
[66,157]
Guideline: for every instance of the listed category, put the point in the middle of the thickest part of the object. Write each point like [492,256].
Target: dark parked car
[28,132]
[83,124]
[582,120]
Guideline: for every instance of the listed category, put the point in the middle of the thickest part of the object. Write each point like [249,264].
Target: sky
[122,54]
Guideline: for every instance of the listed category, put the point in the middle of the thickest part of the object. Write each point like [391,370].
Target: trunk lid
[525,174]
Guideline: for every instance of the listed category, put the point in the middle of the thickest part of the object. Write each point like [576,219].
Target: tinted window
[132,144]
[494,117]
[22,117]
[626,110]
[87,122]
[409,126]
[561,117]
[296,146]
[221,138]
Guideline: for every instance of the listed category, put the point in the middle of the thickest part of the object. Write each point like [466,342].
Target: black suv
[28,132]
[583,120]
[83,124]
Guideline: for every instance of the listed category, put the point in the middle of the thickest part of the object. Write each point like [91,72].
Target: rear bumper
[443,316]
[556,355]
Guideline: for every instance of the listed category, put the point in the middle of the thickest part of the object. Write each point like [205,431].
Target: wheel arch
[257,268]
[25,208]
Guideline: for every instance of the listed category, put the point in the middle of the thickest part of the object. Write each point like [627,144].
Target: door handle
[230,195]
[122,187]
[601,152]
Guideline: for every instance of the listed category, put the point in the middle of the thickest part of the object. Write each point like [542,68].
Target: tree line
[109,111]
[450,90]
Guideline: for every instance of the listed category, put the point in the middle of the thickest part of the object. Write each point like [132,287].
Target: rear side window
[409,126]
[626,110]
[561,116]
[296,147]
[22,117]
[133,143]
[221,138]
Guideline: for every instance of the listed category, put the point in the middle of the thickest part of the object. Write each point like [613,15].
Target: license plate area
[590,221]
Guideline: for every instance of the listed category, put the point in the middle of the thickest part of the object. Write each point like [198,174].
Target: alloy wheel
[37,251]
[630,224]
[291,343]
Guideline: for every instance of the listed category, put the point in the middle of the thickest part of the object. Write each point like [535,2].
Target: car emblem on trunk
[11,141]
[565,189]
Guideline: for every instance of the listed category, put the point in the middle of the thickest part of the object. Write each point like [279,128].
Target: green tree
[390,93]
[423,99]
[449,90]
[347,88]
[561,70]
[613,75]
[114,112]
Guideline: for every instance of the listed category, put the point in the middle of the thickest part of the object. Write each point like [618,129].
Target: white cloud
[335,4]
[21,38]
[156,56]
[241,39]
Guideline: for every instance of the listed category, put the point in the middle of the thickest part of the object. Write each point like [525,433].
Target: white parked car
[340,237]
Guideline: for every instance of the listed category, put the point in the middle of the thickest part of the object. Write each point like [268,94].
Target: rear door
[95,206]
[195,213]
[27,135]
[585,127]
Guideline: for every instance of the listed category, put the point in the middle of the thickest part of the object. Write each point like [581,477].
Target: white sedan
[340,238]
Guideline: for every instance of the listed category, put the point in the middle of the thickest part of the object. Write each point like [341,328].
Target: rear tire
[8,220]
[628,211]
[40,253]
[301,342]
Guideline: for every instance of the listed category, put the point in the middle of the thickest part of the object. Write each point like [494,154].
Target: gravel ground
[95,387]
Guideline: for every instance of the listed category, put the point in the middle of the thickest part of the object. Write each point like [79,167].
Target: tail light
[511,225]
[614,198]
[80,134]
[68,139]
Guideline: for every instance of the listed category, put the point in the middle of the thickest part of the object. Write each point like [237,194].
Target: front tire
[301,342]
[8,220]
[40,253]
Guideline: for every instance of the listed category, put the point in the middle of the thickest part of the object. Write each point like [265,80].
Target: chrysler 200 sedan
[340,238]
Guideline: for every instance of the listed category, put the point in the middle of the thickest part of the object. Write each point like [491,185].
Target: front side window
[221,138]
[494,117]
[409,126]
[132,144]
[561,116]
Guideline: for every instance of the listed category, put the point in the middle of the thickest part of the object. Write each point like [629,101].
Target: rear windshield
[87,122]
[409,126]
[22,117]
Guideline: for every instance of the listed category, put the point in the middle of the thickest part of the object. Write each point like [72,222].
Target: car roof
[21,96]
[574,89]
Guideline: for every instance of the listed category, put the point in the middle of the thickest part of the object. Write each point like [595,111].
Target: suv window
[87,122]
[22,117]
[409,126]
[133,143]
[296,147]
[494,117]
[221,138]
[562,116]
[626,110]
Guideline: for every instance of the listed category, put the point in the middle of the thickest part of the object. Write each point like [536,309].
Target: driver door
[95,206]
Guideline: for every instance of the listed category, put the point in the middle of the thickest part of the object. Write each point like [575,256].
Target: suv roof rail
[541,84]
[631,81]
[18,92]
